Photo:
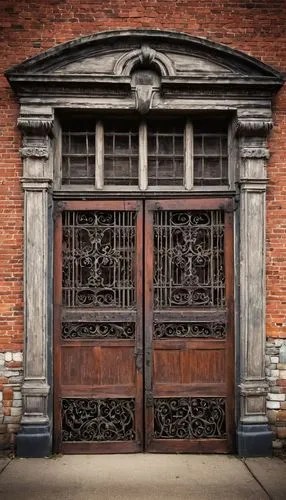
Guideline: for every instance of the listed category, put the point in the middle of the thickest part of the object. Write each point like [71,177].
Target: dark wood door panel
[99,366]
[98,327]
[189,325]
[188,366]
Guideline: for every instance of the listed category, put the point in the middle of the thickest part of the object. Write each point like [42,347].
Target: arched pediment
[111,57]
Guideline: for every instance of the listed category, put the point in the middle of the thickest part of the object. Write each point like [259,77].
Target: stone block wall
[11,376]
[276,399]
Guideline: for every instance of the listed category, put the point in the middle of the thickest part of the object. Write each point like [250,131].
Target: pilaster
[36,124]
[254,436]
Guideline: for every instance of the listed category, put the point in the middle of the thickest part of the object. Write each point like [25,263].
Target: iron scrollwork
[98,420]
[197,330]
[189,259]
[98,330]
[98,259]
[189,418]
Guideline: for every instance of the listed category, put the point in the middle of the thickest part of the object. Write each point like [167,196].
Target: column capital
[253,126]
[36,120]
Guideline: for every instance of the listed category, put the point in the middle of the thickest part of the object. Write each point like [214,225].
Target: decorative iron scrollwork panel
[99,259]
[198,330]
[189,259]
[98,420]
[189,418]
[98,330]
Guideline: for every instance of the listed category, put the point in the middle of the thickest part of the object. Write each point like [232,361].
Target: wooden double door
[143,326]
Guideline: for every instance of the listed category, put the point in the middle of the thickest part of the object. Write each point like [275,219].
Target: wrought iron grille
[189,259]
[189,418]
[98,330]
[98,419]
[198,330]
[99,259]
[121,153]
[166,154]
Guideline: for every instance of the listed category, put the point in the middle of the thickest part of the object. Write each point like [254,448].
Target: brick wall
[256,27]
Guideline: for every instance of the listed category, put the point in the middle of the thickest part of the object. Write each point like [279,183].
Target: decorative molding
[147,55]
[34,152]
[253,185]
[35,126]
[254,388]
[253,127]
[145,83]
[144,57]
[249,152]
[36,184]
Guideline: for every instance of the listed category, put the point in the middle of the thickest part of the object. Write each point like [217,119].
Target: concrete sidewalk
[142,476]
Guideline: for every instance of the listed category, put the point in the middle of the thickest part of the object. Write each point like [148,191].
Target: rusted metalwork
[98,419]
[98,258]
[201,330]
[189,258]
[98,330]
[189,418]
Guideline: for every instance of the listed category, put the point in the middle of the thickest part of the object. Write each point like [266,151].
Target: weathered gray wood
[143,157]
[99,156]
[37,178]
[189,158]
[253,387]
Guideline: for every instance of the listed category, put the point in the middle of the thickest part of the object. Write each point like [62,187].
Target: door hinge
[149,399]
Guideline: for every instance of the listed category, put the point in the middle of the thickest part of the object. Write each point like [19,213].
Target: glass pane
[210,153]
[78,157]
[165,172]
[121,171]
[166,154]
[121,153]
[198,145]
[212,145]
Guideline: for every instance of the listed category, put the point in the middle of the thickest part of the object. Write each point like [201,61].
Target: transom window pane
[78,157]
[165,154]
[121,153]
[180,153]
[210,154]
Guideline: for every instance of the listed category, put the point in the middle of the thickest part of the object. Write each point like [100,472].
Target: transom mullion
[143,157]
[99,155]
[189,155]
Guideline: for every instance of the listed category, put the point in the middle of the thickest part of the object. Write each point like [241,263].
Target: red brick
[7,393]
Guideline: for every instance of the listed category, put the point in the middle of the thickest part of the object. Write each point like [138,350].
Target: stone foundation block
[277,444]
[281,432]
[276,397]
[272,416]
[273,405]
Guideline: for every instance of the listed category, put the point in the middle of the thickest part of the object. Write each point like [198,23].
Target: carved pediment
[108,60]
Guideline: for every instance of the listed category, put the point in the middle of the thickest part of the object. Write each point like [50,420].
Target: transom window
[166,153]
